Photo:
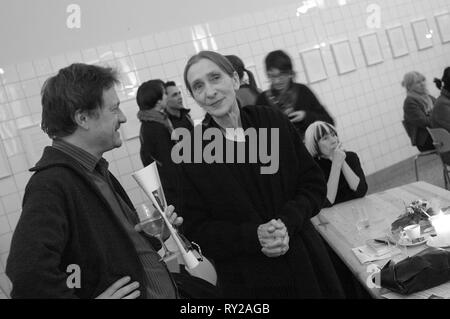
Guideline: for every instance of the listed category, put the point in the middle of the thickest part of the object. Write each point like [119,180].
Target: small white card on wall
[343,56]
[422,34]
[313,65]
[397,41]
[443,24]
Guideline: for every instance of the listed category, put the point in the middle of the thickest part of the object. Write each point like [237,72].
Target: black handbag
[428,269]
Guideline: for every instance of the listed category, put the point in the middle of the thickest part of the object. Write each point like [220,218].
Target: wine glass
[153,224]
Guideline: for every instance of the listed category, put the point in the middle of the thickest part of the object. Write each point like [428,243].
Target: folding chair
[441,140]
[421,154]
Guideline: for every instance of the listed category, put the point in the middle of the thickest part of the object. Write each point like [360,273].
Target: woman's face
[280,80]
[419,86]
[212,88]
[327,144]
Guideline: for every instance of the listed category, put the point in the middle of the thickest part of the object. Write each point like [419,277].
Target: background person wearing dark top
[255,227]
[155,135]
[248,90]
[177,113]
[345,181]
[342,169]
[417,110]
[294,99]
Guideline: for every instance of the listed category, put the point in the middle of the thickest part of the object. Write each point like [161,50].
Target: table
[337,224]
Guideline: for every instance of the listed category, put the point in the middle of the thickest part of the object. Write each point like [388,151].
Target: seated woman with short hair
[342,169]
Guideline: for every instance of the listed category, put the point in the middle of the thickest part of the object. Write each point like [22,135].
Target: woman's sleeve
[415,115]
[311,188]
[218,239]
[353,162]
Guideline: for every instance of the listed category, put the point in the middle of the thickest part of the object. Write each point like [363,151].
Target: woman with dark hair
[342,169]
[248,90]
[255,226]
[417,110]
[294,99]
[441,111]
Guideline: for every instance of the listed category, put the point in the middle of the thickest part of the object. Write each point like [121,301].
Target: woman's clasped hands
[274,238]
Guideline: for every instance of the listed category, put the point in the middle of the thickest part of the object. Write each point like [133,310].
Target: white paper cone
[148,180]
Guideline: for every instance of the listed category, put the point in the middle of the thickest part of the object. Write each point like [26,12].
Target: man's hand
[297,116]
[121,290]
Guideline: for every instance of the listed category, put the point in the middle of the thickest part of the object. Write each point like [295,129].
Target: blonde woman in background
[342,169]
[417,110]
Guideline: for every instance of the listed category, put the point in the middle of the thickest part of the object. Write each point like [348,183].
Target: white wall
[366,103]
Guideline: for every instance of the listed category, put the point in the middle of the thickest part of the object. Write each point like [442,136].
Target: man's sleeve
[34,263]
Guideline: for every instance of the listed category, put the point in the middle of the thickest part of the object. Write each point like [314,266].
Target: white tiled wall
[366,103]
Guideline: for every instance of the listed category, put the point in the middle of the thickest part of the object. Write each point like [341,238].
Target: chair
[421,154]
[441,140]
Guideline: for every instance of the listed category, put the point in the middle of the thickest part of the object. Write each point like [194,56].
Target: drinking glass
[153,225]
[362,219]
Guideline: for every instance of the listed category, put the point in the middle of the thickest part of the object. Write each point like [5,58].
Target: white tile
[5,242]
[162,40]
[74,57]
[8,130]
[90,56]
[143,75]
[6,285]
[166,55]
[105,53]
[175,37]
[136,161]
[31,87]
[11,203]
[19,108]
[26,71]
[152,58]
[34,104]
[42,67]
[58,62]
[170,70]
[4,225]
[135,195]
[24,121]
[18,163]
[5,112]
[157,72]
[148,43]
[119,49]
[119,153]
[127,181]
[14,91]
[134,46]
[139,61]
[7,186]
[13,218]
[22,179]
[9,74]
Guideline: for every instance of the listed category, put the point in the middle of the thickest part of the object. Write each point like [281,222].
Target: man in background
[178,115]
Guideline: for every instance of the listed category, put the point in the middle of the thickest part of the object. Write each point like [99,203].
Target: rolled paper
[148,179]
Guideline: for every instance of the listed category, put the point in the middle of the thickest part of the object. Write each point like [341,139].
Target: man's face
[174,98]
[104,126]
